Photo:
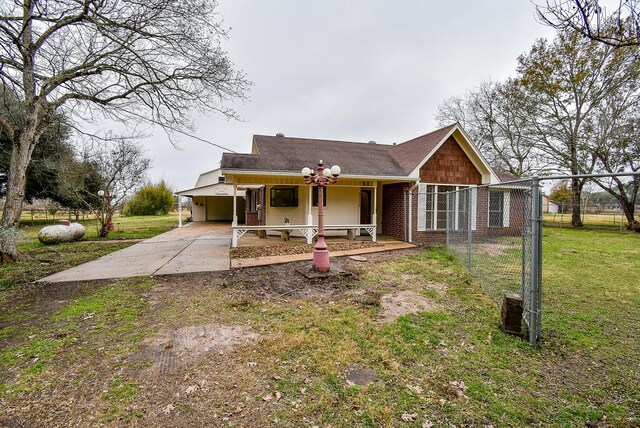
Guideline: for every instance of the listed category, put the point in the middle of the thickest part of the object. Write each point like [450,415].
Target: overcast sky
[350,70]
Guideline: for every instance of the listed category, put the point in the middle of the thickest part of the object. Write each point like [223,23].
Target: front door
[365,207]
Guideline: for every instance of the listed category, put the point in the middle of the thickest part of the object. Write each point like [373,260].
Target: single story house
[212,198]
[391,189]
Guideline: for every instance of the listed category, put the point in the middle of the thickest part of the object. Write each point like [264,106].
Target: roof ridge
[326,140]
[448,127]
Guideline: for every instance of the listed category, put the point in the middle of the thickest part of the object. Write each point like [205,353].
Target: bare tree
[616,149]
[618,28]
[122,60]
[121,169]
[568,81]
[572,108]
[495,116]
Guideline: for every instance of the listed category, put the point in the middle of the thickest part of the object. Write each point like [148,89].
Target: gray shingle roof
[291,154]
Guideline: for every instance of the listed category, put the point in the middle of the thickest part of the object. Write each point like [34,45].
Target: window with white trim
[499,205]
[432,207]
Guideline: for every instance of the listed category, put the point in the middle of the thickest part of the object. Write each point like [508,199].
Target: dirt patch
[356,375]
[278,281]
[439,287]
[174,350]
[302,248]
[400,303]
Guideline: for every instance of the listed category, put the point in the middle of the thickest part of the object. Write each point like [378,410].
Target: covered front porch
[284,206]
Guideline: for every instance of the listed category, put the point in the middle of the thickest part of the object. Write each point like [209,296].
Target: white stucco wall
[343,207]
[198,209]
[207,178]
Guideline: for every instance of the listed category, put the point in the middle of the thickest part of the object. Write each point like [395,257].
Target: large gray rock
[50,235]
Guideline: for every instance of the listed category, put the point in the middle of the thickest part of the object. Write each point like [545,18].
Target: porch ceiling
[217,189]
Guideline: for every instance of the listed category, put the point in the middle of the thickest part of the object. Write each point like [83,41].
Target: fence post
[448,220]
[469,231]
[536,261]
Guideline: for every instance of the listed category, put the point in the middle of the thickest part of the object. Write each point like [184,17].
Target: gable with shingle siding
[450,164]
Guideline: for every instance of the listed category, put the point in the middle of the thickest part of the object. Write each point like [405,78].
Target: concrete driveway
[196,247]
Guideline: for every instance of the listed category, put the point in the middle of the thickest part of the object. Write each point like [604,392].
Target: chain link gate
[496,232]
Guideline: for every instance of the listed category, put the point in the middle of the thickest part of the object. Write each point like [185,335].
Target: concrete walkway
[197,247]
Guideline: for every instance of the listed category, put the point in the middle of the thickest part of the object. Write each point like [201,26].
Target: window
[499,208]
[222,179]
[314,196]
[463,199]
[284,196]
[432,207]
[441,205]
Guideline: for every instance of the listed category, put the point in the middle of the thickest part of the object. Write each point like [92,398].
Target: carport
[212,198]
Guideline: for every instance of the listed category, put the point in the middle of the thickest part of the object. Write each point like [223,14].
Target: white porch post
[310,216]
[374,217]
[179,211]
[235,203]
[411,215]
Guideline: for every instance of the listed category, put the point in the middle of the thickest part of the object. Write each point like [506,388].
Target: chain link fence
[490,230]
[496,231]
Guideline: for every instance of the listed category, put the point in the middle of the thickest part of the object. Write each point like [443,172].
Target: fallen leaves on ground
[409,417]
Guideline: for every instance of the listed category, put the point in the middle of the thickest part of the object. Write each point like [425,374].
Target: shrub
[152,199]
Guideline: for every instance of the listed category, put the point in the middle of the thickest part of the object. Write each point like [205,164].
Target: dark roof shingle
[410,153]
[291,154]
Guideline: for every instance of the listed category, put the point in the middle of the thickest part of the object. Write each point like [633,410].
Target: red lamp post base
[321,258]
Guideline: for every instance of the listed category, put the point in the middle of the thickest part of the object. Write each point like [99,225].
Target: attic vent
[372,142]
[279,134]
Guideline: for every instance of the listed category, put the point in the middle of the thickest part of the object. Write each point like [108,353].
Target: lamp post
[322,178]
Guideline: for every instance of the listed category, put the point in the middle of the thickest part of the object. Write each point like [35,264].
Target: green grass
[597,221]
[111,314]
[133,227]
[449,366]
[38,260]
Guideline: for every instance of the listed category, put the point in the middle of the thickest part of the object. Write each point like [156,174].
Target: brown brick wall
[450,164]
[393,209]
[251,219]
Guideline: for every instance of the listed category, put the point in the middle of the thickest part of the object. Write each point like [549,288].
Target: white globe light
[335,170]
[101,193]
[327,172]
[306,171]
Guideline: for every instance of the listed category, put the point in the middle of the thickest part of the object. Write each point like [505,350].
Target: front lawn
[120,353]
[38,260]
[126,227]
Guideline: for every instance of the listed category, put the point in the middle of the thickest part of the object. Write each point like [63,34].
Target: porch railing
[308,231]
